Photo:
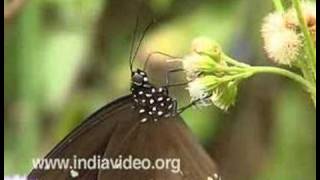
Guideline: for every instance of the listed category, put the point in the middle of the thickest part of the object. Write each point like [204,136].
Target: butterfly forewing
[88,139]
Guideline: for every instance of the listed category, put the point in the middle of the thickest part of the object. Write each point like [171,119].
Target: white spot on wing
[215,175]
[144,120]
[153,90]
[74,173]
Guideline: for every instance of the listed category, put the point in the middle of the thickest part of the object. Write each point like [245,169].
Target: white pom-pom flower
[282,44]
[201,88]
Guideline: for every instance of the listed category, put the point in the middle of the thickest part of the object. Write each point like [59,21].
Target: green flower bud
[203,45]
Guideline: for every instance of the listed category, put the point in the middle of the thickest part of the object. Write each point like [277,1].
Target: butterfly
[143,124]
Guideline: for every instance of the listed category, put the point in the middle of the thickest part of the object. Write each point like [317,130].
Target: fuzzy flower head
[210,90]
[281,44]
[195,64]
[201,89]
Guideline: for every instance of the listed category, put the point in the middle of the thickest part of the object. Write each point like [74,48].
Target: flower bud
[203,45]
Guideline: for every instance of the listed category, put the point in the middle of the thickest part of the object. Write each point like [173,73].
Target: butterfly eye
[137,79]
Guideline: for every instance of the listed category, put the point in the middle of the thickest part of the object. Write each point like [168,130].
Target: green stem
[263,69]
[239,76]
[306,71]
[310,48]
[278,5]
[233,61]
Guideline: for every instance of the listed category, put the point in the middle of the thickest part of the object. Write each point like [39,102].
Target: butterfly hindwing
[165,139]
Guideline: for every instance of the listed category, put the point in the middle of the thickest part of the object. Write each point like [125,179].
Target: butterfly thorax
[152,103]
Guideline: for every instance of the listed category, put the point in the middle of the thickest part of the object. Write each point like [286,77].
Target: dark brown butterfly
[144,124]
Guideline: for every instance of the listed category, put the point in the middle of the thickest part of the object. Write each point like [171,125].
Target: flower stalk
[293,76]
[278,5]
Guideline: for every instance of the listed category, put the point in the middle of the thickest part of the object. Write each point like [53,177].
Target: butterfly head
[139,78]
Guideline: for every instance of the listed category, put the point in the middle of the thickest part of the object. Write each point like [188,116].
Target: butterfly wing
[116,130]
[88,139]
[166,138]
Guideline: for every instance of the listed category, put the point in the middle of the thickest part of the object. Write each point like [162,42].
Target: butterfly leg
[192,103]
[175,106]
[159,53]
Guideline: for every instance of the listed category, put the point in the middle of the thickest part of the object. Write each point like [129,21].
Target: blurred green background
[66,58]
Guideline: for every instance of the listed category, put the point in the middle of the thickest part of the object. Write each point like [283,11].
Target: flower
[209,90]
[197,89]
[204,45]
[281,44]
[273,23]
[201,88]
[225,96]
[195,64]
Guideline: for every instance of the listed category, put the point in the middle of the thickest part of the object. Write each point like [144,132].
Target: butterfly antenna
[141,39]
[134,35]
